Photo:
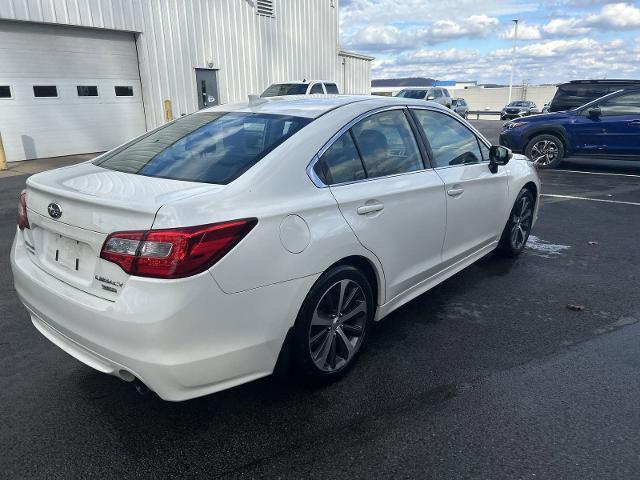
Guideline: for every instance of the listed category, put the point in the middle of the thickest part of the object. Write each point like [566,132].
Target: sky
[558,40]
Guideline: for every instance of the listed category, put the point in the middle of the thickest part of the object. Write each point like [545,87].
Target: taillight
[175,252]
[22,220]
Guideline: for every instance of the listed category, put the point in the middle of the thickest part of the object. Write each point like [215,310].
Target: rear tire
[332,325]
[545,151]
[516,231]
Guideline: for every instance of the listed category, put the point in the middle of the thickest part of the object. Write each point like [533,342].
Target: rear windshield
[572,96]
[419,94]
[211,147]
[279,89]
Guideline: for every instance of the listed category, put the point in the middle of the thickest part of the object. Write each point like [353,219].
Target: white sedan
[204,253]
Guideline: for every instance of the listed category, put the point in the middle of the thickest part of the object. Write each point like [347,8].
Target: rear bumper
[182,338]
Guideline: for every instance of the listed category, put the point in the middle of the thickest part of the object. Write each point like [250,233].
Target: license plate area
[66,252]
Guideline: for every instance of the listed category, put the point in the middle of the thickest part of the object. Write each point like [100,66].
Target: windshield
[279,89]
[518,104]
[211,147]
[418,94]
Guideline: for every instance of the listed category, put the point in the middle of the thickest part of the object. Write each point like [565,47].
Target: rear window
[279,89]
[210,147]
[417,94]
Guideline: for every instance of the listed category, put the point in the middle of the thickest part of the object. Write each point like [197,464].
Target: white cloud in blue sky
[471,40]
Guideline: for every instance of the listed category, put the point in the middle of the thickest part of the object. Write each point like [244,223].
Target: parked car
[546,107]
[608,126]
[434,94]
[304,87]
[197,257]
[459,105]
[576,93]
[518,108]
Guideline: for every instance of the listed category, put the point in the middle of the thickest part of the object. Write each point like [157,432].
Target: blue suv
[608,126]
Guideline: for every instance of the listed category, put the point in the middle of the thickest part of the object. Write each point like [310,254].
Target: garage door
[67,90]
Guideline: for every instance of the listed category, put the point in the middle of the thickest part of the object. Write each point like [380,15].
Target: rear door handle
[370,208]
[454,192]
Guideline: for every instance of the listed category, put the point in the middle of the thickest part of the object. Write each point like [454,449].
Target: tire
[516,231]
[319,352]
[545,151]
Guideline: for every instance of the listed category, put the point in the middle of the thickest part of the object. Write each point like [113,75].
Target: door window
[387,144]
[451,142]
[628,104]
[317,88]
[438,93]
[340,163]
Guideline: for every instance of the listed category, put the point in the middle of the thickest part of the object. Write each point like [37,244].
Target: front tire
[516,231]
[332,325]
[545,151]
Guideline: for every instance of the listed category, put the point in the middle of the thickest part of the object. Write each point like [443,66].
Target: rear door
[394,205]
[476,198]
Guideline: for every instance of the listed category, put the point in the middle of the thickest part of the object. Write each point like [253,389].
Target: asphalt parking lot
[489,375]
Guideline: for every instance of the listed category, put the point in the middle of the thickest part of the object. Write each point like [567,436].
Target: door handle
[370,208]
[635,122]
[454,192]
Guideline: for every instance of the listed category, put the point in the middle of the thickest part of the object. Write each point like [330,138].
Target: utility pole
[513,56]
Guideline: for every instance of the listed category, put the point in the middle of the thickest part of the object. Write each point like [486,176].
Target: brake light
[22,220]
[176,252]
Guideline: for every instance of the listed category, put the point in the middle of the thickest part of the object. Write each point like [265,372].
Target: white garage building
[81,76]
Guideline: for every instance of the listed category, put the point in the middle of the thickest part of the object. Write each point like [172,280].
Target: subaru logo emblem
[54,210]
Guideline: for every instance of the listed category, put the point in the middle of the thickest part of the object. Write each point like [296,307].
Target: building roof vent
[265,7]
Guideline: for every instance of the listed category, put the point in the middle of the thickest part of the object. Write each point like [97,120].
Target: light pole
[513,56]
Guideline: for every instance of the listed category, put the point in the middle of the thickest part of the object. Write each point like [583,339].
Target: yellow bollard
[3,158]
[168,114]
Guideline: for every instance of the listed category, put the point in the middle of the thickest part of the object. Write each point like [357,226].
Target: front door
[477,207]
[207,86]
[616,131]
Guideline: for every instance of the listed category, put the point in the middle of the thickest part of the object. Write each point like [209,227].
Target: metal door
[207,87]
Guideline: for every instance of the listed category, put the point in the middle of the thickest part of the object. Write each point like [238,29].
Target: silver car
[459,105]
[434,94]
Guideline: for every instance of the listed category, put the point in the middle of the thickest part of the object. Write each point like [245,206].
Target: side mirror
[594,112]
[498,155]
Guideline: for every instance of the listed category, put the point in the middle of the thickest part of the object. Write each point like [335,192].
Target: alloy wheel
[544,152]
[338,324]
[521,223]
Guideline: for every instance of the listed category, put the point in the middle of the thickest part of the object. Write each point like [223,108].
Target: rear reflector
[22,220]
[176,252]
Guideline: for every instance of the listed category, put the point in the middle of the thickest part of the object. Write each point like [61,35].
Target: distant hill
[403,82]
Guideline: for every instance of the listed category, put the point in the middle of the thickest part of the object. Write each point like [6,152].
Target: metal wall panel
[250,51]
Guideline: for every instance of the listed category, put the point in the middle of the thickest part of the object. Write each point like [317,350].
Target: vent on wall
[264,7]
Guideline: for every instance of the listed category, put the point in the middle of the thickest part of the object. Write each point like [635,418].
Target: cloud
[547,61]
[378,37]
[525,32]
[616,15]
[566,27]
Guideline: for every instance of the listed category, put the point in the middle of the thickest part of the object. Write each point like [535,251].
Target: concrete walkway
[29,167]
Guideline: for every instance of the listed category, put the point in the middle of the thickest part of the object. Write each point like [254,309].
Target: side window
[446,92]
[340,163]
[451,142]
[317,88]
[331,88]
[438,93]
[387,144]
[628,104]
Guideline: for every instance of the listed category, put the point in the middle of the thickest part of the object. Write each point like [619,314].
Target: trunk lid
[72,210]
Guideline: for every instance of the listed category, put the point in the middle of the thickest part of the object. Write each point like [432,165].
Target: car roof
[612,81]
[311,106]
